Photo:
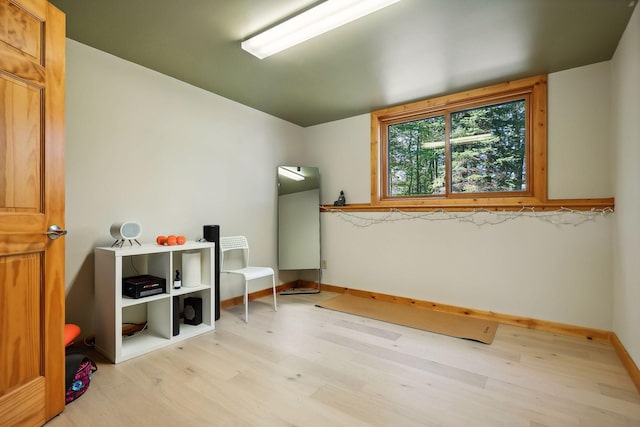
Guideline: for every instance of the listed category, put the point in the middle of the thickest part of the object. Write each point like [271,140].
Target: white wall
[625,114]
[579,112]
[146,147]
[525,267]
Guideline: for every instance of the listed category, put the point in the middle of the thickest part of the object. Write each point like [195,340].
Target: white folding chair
[238,245]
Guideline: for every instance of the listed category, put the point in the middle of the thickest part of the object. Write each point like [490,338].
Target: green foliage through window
[477,150]
[417,157]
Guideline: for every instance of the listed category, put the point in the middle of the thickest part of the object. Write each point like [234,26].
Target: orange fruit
[181,240]
[171,240]
[161,240]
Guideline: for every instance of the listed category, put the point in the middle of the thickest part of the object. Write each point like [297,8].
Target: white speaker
[125,230]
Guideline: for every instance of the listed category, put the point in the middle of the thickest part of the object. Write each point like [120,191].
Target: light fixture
[290,174]
[311,23]
[484,138]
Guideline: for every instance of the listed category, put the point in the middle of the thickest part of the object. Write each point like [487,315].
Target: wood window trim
[537,198]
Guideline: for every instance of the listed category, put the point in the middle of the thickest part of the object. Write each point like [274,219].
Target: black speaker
[176,315]
[211,233]
[192,311]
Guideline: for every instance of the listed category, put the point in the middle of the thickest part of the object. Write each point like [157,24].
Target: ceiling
[412,50]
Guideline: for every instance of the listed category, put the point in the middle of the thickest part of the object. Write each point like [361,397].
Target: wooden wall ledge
[606,205]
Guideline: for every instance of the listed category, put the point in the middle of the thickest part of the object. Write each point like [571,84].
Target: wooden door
[32,50]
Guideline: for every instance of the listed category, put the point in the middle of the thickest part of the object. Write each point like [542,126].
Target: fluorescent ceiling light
[311,23]
[290,174]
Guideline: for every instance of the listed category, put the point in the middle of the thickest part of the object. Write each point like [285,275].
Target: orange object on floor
[71,332]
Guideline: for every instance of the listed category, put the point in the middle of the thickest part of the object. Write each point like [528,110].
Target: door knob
[54,232]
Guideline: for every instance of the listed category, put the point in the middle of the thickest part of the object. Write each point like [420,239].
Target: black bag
[78,371]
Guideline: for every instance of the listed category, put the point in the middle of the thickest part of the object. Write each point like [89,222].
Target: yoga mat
[415,317]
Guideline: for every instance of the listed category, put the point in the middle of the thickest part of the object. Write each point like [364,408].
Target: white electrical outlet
[324,264]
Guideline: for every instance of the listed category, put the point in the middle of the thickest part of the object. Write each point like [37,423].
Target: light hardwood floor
[307,366]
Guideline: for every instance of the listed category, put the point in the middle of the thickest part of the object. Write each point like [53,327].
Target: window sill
[465,205]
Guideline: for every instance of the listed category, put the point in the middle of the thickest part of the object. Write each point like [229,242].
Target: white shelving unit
[113,310]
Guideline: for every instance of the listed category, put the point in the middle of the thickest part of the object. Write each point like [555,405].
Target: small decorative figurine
[341,200]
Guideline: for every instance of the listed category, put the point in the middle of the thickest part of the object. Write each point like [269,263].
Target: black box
[143,286]
[192,311]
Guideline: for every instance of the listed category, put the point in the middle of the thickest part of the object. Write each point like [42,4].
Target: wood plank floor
[307,366]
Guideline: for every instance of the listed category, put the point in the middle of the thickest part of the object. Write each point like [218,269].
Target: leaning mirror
[299,218]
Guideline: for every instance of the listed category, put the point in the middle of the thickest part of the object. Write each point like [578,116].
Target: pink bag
[79,369]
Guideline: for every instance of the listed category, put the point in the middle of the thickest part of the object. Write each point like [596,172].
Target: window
[487,152]
[485,147]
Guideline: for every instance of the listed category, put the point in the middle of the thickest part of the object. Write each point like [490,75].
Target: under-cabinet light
[311,23]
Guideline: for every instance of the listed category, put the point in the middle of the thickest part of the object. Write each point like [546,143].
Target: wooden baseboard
[626,360]
[525,322]
[255,295]
[543,325]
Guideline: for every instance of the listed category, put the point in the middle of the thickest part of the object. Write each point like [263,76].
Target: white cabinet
[156,312]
